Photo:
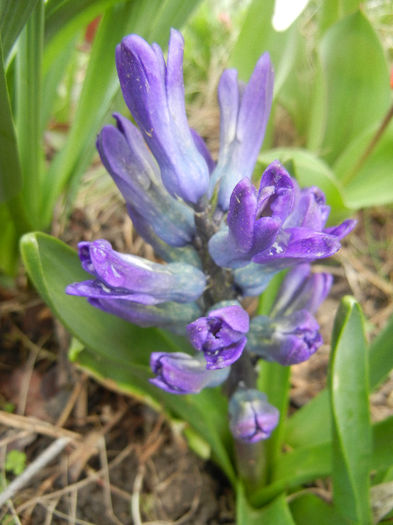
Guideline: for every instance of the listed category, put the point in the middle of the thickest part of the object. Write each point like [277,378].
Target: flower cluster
[220,239]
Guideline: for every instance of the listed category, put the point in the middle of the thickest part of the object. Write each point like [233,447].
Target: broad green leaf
[308,509]
[28,107]
[291,470]
[276,513]
[348,388]
[117,351]
[331,11]
[359,188]
[310,171]
[353,66]
[10,171]
[13,16]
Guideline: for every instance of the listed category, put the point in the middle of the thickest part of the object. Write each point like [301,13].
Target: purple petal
[135,172]
[180,373]
[128,273]
[202,148]
[171,316]
[302,290]
[342,229]
[241,214]
[252,418]
[226,356]
[237,158]
[154,94]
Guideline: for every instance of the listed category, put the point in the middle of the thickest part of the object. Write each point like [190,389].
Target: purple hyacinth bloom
[245,110]
[301,290]
[123,276]
[136,173]
[252,418]
[180,373]
[287,340]
[220,335]
[154,93]
[254,220]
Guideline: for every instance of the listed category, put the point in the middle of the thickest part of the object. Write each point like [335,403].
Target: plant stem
[370,148]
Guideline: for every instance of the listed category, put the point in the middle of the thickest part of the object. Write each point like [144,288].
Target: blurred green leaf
[13,16]
[257,36]
[293,469]
[348,388]
[309,509]
[383,444]
[8,243]
[359,188]
[381,355]
[28,110]
[118,352]
[331,11]
[10,171]
[276,513]
[353,67]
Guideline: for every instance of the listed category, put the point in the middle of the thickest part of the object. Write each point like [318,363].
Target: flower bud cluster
[220,239]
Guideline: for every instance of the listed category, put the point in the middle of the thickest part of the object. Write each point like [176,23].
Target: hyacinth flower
[220,239]
[290,334]
[251,417]
[220,335]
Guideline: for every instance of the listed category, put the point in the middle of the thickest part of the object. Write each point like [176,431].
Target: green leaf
[28,108]
[331,11]
[309,425]
[276,513]
[308,508]
[353,66]
[348,387]
[310,171]
[359,189]
[290,470]
[273,379]
[257,36]
[10,171]
[308,463]
[13,16]
[381,355]
[118,352]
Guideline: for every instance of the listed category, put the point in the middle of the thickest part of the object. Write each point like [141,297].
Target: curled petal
[180,373]
[252,418]
[301,290]
[220,335]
